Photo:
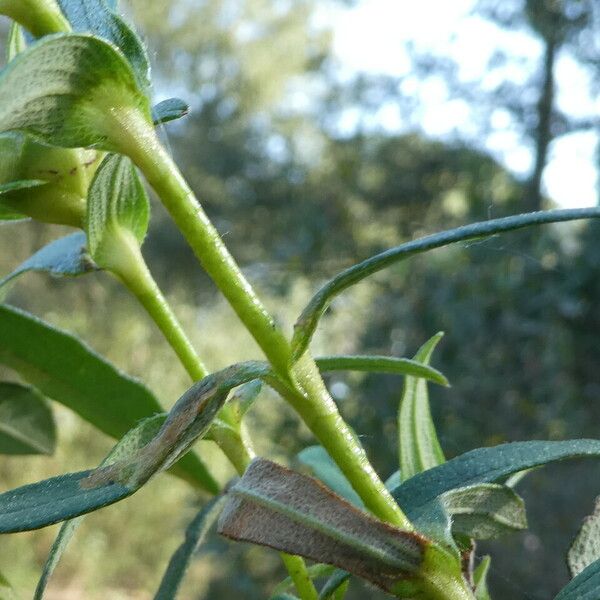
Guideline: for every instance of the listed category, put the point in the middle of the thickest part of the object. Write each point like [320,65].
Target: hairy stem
[296,567]
[132,270]
[306,392]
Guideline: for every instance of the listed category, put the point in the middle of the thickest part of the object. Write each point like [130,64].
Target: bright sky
[370,38]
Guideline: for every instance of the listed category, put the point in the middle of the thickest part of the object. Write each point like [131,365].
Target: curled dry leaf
[279,508]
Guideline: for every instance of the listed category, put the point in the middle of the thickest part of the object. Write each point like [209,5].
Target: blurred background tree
[299,194]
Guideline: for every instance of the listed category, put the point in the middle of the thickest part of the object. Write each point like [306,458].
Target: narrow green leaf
[418,442]
[324,468]
[194,537]
[128,446]
[485,510]
[117,205]
[63,257]
[480,579]
[309,319]
[72,90]
[68,371]
[99,18]
[337,580]
[485,465]
[169,110]
[26,421]
[285,596]
[314,571]
[279,508]
[381,364]
[583,587]
[585,548]
[47,502]
[16,42]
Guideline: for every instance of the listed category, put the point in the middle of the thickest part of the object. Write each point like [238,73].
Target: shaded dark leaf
[26,421]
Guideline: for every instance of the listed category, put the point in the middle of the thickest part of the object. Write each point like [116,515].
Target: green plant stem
[139,142]
[296,567]
[320,413]
[129,266]
[307,392]
[40,17]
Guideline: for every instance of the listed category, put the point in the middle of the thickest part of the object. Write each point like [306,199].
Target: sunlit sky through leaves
[372,36]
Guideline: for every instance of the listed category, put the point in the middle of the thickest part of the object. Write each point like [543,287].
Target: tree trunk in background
[543,134]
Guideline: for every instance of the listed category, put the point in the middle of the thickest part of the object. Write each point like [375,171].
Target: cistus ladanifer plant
[77,137]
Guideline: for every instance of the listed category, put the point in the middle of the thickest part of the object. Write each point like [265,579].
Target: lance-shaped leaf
[485,510]
[336,584]
[61,258]
[418,443]
[583,587]
[585,548]
[72,90]
[480,579]
[485,465]
[132,442]
[40,17]
[381,364]
[118,212]
[273,506]
[95,16]
[309,319]
[195,535]
[26,421]
[169,110]
[68,371]
[53,500]
[68,496]
[324,468]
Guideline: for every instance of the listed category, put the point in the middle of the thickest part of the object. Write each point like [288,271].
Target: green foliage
[169,110]
[66,370]
[307,322]
[118,211]
[323,467]
[194,536]
[130,444]
[61,88]
[85,91]
[485,465]
[584,586]
[26,422]
[485,511]
[585,548]
[419,447]
[64,257]
[97,17]
[381,364]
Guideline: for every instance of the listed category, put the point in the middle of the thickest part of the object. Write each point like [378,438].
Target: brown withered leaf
[282,509]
